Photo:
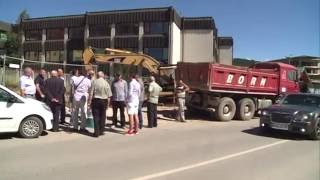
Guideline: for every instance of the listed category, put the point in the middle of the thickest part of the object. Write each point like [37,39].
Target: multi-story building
[309,64]
[159,32]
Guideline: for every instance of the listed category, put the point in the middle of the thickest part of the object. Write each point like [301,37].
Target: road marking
[212,161]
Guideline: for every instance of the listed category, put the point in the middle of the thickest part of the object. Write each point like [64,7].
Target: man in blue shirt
[119,90]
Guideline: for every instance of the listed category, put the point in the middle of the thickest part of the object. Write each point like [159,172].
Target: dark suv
[298,113]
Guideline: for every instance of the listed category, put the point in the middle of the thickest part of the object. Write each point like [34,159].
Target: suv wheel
[315,135]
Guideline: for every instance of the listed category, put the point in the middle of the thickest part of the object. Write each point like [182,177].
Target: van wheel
[226,109]
[245,109]
[31,127]
[315,135]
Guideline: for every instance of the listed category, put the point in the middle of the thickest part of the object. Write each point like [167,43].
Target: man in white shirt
[181,90]
[27,86]
[80,87]
[134,92]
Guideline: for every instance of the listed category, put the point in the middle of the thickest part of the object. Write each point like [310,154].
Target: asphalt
[199,149]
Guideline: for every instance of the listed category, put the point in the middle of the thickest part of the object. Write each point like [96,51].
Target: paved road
[194,150]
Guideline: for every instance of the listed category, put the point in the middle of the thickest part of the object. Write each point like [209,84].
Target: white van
[26,116]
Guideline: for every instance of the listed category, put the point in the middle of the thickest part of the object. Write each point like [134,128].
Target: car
[26,116]
[297,113]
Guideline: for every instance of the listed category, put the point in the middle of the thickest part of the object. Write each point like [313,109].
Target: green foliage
[12,44]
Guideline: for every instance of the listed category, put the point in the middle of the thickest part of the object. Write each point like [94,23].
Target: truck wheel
[226,109]
[315,135]
[245,109]
[31,127]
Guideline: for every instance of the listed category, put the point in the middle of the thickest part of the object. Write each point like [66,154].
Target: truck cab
[288,76]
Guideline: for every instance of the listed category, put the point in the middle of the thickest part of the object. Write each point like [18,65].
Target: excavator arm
[122,57]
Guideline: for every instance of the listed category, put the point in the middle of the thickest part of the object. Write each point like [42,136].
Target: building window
[54,56]
[55,34]
[127,29]
[156,28]
[99,30]
[75,55]
[160,54]
[33,35]
[76,33]
[32,55]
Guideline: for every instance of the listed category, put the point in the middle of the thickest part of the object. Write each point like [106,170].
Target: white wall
[175,44]
[198,46]
[225,55]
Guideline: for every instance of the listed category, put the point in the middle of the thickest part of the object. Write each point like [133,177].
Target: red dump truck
[235,92]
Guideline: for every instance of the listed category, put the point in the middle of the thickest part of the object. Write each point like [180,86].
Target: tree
[19,32]
[23,15]
[11,45]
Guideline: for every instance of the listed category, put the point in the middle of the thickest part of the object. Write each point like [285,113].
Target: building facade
[309,64]
[159,32]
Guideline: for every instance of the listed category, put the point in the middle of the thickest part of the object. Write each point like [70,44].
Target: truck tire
[226,109]
[245,109]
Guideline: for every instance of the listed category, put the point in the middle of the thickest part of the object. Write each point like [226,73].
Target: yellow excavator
[163,74]
[90,56]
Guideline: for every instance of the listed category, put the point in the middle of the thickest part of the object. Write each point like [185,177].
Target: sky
[261,29]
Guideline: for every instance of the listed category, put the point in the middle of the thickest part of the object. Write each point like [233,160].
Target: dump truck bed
[228,79]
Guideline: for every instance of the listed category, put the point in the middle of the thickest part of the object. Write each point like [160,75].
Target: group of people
[48,90]
[96,94]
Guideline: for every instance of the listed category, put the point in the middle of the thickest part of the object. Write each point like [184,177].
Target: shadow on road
[171,115]
[6,136]
[112,130]
[276,134]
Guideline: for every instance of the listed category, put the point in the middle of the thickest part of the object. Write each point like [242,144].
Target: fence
[11,68]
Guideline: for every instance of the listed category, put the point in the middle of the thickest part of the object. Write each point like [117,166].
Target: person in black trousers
[119,89]
[63,107]
[100,94]
[54,88]
[40,82]
[154,90]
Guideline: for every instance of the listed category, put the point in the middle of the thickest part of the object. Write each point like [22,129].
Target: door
[292,81]
[8,111]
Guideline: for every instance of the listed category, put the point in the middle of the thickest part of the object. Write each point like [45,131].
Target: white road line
[212,161]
